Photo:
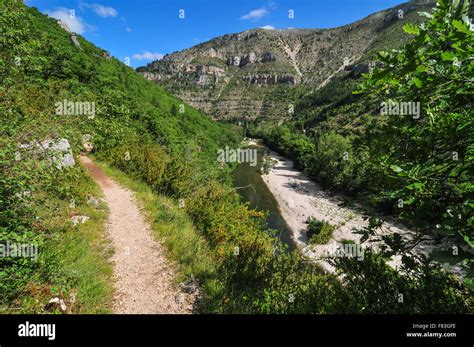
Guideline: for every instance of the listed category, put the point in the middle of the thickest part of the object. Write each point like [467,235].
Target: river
[259,196]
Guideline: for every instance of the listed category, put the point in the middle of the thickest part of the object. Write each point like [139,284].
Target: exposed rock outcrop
[270,79]
[57,152]
[75,41]
[63,26]
[268,56]
[212,53]
[251,58]
[251,73]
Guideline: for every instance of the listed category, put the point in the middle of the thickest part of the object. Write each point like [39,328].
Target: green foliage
[418,168]
[319,232]
[35,211]
[426,163]
[376,287]
[331,161]
[173,227]
[418,285]
[429,161]
[138,129]
[40,66]
[253,273]
[293,145]
[267,164]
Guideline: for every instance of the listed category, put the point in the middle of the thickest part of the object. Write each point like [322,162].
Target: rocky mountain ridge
[259,72]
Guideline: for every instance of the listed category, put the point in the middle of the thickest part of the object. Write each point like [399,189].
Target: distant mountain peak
[255,73]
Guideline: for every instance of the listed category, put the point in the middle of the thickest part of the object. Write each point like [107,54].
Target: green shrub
[267,165]
[319,232]
[332,161]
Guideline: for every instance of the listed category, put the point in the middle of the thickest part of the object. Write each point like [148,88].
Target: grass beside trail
[174,229]
[73,263]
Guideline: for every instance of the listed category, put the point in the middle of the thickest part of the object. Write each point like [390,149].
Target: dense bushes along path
[143,275]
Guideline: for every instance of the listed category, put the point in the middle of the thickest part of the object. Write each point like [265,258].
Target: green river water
[259,196]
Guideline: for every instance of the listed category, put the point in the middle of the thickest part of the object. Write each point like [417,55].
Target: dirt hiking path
[143,276]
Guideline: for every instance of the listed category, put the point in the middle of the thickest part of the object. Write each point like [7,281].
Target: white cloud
[147,56]
[129,30]
[76,24]
[100,10]
[268,27]
[255,14]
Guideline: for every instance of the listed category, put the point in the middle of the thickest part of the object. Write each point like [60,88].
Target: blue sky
[144,30]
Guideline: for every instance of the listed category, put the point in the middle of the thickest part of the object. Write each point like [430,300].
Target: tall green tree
[428,157]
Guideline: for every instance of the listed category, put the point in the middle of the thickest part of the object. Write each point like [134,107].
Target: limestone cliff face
[257,73]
